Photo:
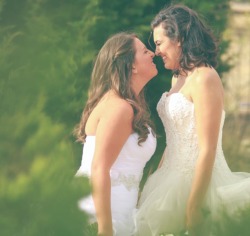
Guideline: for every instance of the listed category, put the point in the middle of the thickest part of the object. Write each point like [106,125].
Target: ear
[179,43]
[134,70]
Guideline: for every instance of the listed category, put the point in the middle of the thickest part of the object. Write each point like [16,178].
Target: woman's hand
[105,231]
[194,221]
[105,234]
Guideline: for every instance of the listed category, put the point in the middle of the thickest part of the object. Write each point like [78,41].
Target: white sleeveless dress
[125,174]
[163,201]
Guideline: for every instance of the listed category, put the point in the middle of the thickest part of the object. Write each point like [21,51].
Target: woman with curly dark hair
[193,183]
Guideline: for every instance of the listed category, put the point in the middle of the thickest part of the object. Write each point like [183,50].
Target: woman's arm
[114,128]
[207,96]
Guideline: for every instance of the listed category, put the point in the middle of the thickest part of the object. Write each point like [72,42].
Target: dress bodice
[178,117]
[129,165]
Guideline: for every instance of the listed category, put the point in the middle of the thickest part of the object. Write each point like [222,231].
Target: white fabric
[163,201]
[126,174]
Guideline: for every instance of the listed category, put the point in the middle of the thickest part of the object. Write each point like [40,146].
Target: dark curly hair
[199,45]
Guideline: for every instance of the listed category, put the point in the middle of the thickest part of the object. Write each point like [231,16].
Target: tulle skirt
[163,202]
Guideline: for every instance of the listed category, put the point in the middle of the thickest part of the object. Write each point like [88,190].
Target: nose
[157,53]
[152,54]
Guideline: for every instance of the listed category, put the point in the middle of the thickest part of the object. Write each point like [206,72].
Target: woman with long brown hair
[115,129]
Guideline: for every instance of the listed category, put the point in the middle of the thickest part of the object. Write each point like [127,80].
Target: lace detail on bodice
[129,181]
[178,117]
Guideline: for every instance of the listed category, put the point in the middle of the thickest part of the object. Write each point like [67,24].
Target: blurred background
[47,50]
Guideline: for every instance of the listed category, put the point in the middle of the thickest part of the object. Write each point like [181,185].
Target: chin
[167,67]
[154,75]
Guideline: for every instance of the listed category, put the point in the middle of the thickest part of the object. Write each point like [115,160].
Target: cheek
[177,55]
[162,50]
[166,49]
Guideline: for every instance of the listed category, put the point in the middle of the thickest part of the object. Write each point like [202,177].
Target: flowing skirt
[163,202]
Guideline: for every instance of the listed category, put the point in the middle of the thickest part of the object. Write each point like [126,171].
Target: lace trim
[129,181]
[177,115]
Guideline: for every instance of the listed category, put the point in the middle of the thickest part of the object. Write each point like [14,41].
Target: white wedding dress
[125,174]
[163,201]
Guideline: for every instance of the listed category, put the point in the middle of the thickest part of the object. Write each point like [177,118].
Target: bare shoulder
[119,104]
[206,75]
[206,78]
[117,107]
[207,87]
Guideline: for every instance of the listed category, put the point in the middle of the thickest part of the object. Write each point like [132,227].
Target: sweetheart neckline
[184,97]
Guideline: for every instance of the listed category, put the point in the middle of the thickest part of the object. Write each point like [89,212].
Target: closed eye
[157,43]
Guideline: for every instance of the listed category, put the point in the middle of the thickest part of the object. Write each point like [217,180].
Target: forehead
[159,33]
[139,44]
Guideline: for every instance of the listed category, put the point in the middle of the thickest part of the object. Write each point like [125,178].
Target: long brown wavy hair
[181,24]
[113,71]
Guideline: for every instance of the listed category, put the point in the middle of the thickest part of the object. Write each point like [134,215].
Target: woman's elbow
[99,171]
[208,153]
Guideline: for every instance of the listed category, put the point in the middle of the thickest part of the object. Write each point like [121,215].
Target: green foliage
[38,190]
[42,201]
[238,226]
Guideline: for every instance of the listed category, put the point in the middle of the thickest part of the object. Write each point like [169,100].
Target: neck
[137,90]
[183,74]
[137,85]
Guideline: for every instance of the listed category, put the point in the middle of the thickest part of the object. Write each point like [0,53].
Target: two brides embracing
[193,184]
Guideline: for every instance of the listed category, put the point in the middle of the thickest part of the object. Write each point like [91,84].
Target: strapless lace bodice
[162,205]
[178,117]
